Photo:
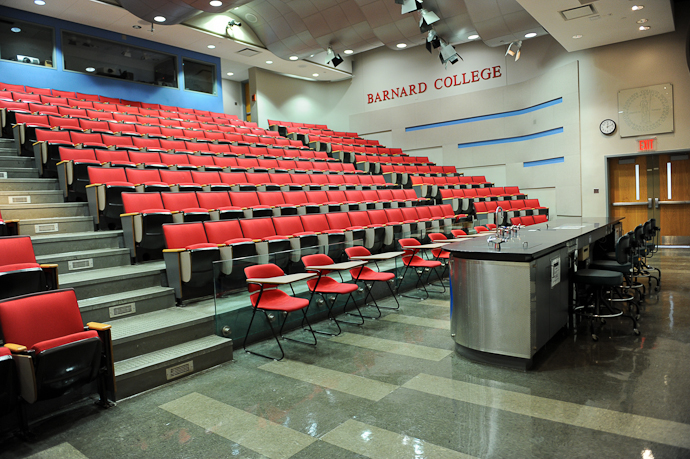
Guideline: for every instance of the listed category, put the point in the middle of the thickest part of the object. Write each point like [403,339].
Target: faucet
[496,213]
[497,238]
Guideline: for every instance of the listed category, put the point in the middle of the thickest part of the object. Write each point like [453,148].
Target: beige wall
[588,81]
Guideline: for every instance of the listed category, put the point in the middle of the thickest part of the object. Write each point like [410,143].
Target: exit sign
[647,144]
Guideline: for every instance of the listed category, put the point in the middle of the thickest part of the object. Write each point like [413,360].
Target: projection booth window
[96,56]
[25,42]
[199,76]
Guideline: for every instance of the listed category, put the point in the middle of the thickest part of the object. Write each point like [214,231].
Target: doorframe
[632,155]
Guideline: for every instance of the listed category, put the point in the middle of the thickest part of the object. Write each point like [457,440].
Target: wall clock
[607,127]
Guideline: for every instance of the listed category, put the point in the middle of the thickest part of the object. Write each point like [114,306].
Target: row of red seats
[510,208]
[372,164]
[315,141]
[49,104]
[336,148]
[106,185]
[194,247]
[401,173]
[6,87]
[463,199]
[431,186]
[274,124]
[529,220]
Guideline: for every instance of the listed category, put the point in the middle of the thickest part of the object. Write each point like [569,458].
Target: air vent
[20,199]
[123,310]
[47,228]
[579,12]
[248,52]
[3,175]
[86,263]
[179,370]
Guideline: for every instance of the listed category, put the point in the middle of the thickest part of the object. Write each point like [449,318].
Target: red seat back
[181,235]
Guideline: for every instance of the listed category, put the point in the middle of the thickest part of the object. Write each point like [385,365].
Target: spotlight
[432,40]
[448,54]
[332,57]
[426,19]
[409,6]
[514,49]
[234,23]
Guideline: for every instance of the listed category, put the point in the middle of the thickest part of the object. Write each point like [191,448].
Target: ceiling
[276,30]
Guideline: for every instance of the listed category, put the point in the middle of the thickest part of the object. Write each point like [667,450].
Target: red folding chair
[262,283]
[366,274]
[418,264]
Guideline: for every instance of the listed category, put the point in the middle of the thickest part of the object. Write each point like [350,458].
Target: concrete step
[10,159]
[18,172]
[32,226]
[91,240]
[84,260]
[98,282]
[146,333]
[46,210]
[31,197]
[147,371]
[107,308]
[30,184]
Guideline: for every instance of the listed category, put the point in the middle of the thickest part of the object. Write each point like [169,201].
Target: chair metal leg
[244,345]
[309,329]
[359,312]
[368,294]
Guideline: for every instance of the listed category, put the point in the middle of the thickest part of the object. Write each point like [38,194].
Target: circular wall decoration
[607,127]
[645,111]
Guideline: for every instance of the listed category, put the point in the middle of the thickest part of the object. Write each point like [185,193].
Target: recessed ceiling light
[314,74]
[530,35]
[16,29]
[473,37]
[348,51]
[90,69]
[637,7]
[135,26]
[641,21]
[215,3]
[39,2]
[311,55]
[229,74]
[211,46]
[401,45]
[159,19]
[577,36]
[269,62]
[644,27]
[293,58]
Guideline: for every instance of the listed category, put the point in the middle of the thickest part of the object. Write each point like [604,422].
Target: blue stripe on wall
[543,162]
[512,139]
[486,117]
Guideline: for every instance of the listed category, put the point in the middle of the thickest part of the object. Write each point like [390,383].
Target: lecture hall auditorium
[314,229]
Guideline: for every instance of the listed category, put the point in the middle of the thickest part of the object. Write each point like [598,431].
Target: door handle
[649,203]
[656,203]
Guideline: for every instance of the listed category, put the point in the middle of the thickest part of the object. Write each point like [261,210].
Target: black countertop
[537,240]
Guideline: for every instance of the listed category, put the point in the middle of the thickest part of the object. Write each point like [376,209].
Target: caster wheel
[636,331]
[595,337]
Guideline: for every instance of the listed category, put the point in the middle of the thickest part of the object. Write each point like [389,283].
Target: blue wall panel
[58,78]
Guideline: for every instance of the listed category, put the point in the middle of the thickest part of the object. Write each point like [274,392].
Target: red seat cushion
[19,267]
[329,285]
[419,262]
[61,341]
[277,300]
[368,274]
[203,245]
[4,351]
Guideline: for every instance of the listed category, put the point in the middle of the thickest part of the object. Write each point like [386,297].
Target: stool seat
[598,277]
[611,265]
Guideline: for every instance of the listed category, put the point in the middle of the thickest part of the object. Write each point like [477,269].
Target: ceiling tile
[303,7]
[335,18]
[377,14]
[352,11]
[316,24]
[281,27]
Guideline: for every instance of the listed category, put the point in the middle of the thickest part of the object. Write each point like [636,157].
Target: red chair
[325,285]
[459,232]
[20,274]
[366,274]
[418,265]
[262,283]
[481,229]
[54,352]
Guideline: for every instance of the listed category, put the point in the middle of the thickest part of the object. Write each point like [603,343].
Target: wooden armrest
[98,326]
[256,240]
[130,214]
[49,266]
[93,184]
[15,348]
[62,162]
[173,250]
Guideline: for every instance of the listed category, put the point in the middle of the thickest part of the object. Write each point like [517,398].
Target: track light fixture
[332,57]
[432,40]
[426,19]
[448,54]
[514,49]
[409,6]
[232,23]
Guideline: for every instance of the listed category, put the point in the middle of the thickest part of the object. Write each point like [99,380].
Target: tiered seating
[529,220]
[465,199]
[20,274]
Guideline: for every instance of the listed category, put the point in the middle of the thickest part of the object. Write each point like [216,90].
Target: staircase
[154,340]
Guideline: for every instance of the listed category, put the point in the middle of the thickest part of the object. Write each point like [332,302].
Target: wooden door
[628,190]
[672,201]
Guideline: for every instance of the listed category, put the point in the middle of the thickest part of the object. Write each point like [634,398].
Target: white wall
[232,98]
[587,80]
